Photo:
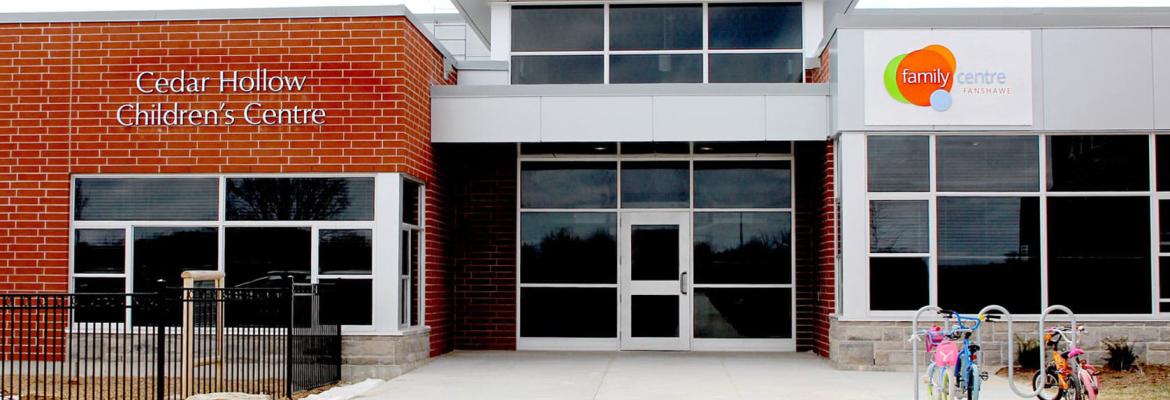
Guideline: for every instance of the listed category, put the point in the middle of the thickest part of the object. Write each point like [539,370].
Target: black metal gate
[135,346]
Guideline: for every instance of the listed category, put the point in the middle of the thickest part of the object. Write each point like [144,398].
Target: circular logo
[922,77]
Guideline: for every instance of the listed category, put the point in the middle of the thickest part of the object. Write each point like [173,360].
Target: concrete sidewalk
[648,375]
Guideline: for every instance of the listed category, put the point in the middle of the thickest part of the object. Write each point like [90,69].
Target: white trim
[566,344]
[764,345]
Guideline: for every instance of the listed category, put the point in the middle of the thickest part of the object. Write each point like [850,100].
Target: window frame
[221,224]
[705,51]
[1041,193]
[417,250]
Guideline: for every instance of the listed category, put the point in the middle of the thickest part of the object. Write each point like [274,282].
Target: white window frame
[856,269]
[403,321]
[386,206]
[705,51]
[697,344]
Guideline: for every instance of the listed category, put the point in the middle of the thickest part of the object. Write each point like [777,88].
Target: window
[662,184]
[568,185]
[898,239]
[410,265]
[755,313]
[898,283]
[145,199]
[345,251]
[568,312]
[657,43]
[989,242]
[162,254]
[899,163]
[898,226]
[746,184]
[742,247]
[568,248]
[99,251]
[1098,163]
[988,164]
[1088,235]
[300,199]
[263,257]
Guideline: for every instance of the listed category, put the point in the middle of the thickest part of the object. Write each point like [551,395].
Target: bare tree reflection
[287,199]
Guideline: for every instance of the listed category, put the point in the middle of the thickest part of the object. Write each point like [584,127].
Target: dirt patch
[1151,382]
[48,387]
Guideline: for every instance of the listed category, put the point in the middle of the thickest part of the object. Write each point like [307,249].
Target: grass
[1152,382]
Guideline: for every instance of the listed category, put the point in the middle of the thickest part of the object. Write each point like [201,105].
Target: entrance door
[655,281]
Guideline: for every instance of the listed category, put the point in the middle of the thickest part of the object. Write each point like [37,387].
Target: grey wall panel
[796,118]
[500,119]
[576,119]
[1161,47]
[1098,79]
[686,118]
[849,94]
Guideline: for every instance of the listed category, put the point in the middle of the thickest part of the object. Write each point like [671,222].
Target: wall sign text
[226,82]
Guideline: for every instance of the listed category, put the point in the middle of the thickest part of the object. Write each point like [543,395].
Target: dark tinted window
[300,199]
[989,242]
[578,148]
[743,247]
[988,164]
[755,184]
[1103,240]
[557,28]
[568,185]
[568,248]
[99,251]
[410,205]
[755,26]
[654,316]
[535,70]
[568,312]
[654,252]
[655,27]
[647,148]
[738,68]
[898,226]
[1098,163]
[1164,278]
[1164,226]
[1163,148]
[345,251]
[656,68]
[347,301]
[164,253]
[260,257]
[743,313]
[898,283]
[743,148]
[92,306]
[146,199]
[899,163]
[656,184]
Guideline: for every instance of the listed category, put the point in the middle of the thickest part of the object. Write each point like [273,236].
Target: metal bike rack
[914,339]
[1011,360]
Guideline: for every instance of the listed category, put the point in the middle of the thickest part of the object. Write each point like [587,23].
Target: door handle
[682,282]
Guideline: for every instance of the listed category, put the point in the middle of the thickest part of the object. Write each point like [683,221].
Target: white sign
[948,77]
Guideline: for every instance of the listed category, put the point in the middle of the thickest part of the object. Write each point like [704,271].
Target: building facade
[685,176]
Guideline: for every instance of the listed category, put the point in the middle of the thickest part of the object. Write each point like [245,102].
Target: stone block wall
[383,356]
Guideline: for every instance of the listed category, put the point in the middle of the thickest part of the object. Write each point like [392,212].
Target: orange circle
[921,73]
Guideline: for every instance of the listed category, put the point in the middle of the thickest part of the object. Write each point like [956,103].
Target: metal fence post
[160,373]
[288,338]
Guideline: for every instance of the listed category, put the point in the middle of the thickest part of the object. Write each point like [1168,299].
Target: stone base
[883,345]
[383,356]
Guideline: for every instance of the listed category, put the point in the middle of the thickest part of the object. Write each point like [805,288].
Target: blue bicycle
[968,378]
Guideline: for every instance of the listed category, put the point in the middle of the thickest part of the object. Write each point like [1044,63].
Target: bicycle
[1068,373]
[952,349]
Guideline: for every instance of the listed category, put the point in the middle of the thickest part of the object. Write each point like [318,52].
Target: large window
[657,43]
[964,221]
[739,196]
[138,234]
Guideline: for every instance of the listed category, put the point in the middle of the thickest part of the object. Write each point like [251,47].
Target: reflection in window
[743,184]
[655,27]
[568,248]
[300,199]
[654,252]
[898,283]
[1164,278]
[988,164]
[1106,240]
[989,242]
[743,247]
[656,68]
[568,312]
[656,184]
[747,68]
[898,226]
[755,313]
[164,253]
[410,201]
[345,251]
[91,304]
[146,199]
[568,185]
[755,26]
[347,301]
[536,70]
[1098,163]
[899,163]
[99,251]
[1162,144]
[557,28]
[263,257]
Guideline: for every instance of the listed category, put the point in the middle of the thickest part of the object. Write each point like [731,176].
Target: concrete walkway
[648,375]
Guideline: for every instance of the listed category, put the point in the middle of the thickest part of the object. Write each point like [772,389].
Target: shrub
[1027,353]
[1122,356]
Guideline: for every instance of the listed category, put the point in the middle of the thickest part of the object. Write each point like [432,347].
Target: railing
[168,345]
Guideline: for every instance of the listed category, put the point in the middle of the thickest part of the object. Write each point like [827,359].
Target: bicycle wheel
[1050,383]
[974,382]
[944,387]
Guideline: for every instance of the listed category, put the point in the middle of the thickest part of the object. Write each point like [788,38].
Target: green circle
[891,79]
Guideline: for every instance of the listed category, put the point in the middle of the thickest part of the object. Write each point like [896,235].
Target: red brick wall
[821,278]
[484,255]
[60,84]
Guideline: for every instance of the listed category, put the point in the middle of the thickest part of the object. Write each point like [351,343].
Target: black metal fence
[137,346]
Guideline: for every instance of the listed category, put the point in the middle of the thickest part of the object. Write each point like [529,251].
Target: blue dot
[940,100]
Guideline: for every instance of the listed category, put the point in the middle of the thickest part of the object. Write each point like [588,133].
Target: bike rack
[1011,337]
[914,339]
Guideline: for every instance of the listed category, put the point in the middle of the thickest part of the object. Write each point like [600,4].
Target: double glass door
[655,281]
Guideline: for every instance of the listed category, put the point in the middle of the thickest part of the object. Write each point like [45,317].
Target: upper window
[755,26]
[899,163]
[568,185]
[988,164]
[743,184]
[146,199]
[300,199]
[557,28]
[1098,163]
[656,27]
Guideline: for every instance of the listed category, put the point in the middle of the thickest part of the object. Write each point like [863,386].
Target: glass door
[655,281]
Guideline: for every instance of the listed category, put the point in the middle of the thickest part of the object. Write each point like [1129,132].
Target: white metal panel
[1098,79]
[796,118]
[500,119]
[576,119]
[1161,46]
[483,77]
[450,31]
[688,118]
[501,31]
[854,237]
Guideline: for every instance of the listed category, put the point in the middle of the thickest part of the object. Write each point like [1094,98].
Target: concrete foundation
[383,356]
